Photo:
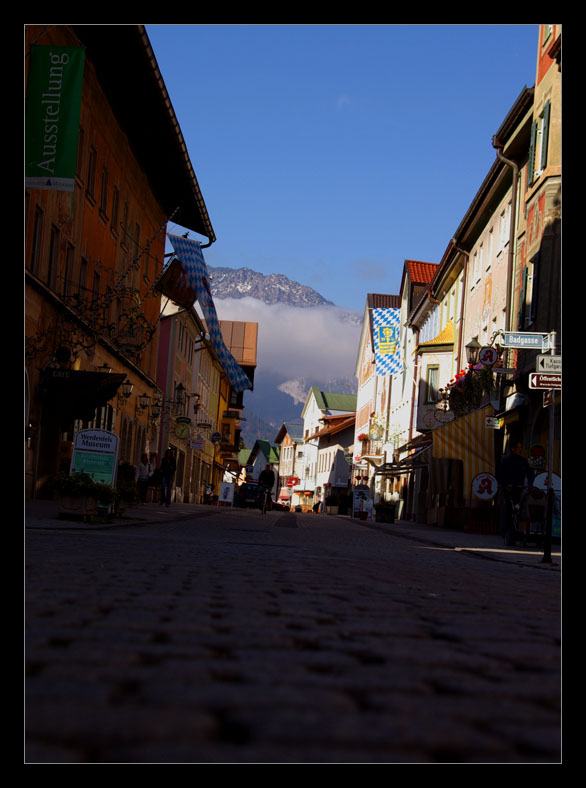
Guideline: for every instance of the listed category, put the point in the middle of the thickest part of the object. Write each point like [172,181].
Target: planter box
[83,507]
[385,515]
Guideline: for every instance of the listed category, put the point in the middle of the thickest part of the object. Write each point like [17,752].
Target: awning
[418,459]
[71,394]
[285,494]
[467,439]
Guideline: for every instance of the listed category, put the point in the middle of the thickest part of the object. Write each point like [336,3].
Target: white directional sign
[525,340]
[549,364]
[538,380]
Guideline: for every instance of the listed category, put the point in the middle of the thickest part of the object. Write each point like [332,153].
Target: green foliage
[470,388]
[80,485]
[127,491]
[385,506]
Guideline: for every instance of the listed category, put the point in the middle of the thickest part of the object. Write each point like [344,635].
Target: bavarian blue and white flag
[386,328]
[191,258]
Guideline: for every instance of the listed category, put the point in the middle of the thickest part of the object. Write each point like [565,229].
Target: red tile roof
[421,273]
[383,301]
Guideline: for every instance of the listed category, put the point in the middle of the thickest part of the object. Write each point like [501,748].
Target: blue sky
[332,153]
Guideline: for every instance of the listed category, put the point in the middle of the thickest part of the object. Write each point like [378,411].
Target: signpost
[537,380]
[524,340]
[549,364]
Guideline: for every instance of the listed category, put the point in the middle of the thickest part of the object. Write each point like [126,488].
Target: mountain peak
[269,288]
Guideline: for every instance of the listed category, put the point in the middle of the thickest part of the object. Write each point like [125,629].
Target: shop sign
[52,111]
[95,452]
[488,356]
[484,486]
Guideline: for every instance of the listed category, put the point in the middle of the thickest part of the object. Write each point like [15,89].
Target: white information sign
[548,364]
[226,493]
[95,452]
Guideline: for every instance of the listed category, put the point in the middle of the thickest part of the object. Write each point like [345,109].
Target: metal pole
[550,493]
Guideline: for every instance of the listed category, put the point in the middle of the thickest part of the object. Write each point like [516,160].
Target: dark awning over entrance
[70,394]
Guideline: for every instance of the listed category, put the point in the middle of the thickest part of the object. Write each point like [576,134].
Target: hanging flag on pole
[53,102]
[386,326]
[191,258]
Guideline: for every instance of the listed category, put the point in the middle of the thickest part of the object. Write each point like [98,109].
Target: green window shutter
[531,162]
[522,298]
[545,135]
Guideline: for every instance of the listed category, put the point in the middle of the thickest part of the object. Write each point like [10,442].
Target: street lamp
[180,394]
[143,401]
[126,389]
[472,350]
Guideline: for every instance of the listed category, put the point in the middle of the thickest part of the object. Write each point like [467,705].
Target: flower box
[83,507]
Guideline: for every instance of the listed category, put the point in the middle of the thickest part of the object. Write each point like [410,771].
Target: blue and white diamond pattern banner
[386,325]
[191,258]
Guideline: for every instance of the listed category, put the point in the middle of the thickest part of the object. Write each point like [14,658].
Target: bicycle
[526,512]
[265,500]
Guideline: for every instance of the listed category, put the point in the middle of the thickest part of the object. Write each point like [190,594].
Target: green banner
[53,103]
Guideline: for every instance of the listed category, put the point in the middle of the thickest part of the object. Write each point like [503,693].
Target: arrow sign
[549,364]
[537,380]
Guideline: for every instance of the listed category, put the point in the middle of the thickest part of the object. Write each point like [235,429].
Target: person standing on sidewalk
[168,468]
[144,471]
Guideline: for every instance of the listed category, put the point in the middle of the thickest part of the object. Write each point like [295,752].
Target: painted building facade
[94,252]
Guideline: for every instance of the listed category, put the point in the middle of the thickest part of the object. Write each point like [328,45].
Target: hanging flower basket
[469,387]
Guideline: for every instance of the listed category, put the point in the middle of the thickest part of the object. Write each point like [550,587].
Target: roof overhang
[127,70]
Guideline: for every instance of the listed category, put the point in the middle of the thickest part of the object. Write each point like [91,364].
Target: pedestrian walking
[513,475]
[168,468]
[267,481]
[143,473]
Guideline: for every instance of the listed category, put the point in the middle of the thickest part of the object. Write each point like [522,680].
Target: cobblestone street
[229,637]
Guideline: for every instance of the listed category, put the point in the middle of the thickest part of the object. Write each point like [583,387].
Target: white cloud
[296,389]
[298,342]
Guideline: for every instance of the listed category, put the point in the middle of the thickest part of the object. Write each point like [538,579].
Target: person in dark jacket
[168,468]
[267,480]
[514,474]
[515,471]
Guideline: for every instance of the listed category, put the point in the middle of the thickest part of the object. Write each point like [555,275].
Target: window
[503,229]
[96,287]
[528,298]
[124,226]
[69,259]
[91,173]
[37,239]
[115,205]
[104,193]
[539,144]
[432,384]
[53,257]
[82,277]
[79,160]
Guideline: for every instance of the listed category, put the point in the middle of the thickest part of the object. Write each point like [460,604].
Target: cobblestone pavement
[229,637]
